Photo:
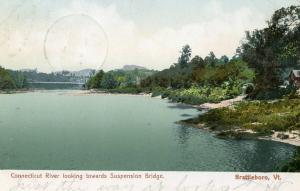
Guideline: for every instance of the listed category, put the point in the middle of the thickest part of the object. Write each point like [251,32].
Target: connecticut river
[64,130]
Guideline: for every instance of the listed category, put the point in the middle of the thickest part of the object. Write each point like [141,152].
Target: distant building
[295,78]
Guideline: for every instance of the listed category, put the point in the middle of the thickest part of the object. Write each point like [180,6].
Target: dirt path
[224,103]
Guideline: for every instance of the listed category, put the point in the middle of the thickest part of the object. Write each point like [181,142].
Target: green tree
[224,59]
[19,79]
[211,59]
[109,81]
[185,56]
[95,81]
[6,81]
[197,62]
[273,49]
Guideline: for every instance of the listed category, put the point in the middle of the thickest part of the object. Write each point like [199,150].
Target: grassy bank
[198,95]
[253,119]
[193,95]
[125,90]
[262,117]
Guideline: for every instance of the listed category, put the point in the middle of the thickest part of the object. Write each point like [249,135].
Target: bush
[158,91]
[197,95]
[6,80]
[269,94]
[260,116]
[125,90]
[249,89]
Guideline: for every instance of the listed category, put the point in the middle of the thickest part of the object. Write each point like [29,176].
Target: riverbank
[94,92]
[276,121]
[12,91]
[288,137]
[224,103]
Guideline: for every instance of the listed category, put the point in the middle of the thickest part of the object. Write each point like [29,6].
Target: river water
[66,130]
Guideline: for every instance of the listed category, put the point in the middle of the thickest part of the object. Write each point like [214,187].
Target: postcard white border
[19,180]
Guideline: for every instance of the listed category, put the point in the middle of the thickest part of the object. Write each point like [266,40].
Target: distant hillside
[84,72]
[133,67]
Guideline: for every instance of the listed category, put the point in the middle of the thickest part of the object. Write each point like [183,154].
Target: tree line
[266,57]
[118,79]
[12,79]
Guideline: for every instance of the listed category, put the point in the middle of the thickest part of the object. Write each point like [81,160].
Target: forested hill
[133,67]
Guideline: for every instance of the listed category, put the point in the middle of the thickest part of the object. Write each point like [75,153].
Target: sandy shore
[224,103]
[292,137]
[16,91]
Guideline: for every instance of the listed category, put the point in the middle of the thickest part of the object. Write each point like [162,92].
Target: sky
[54,35]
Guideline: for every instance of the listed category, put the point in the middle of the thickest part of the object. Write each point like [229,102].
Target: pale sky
[52,35]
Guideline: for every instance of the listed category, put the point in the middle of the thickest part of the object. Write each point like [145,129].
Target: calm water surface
[59,130]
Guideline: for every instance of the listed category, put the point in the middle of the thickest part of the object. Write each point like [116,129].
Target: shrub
[260,116]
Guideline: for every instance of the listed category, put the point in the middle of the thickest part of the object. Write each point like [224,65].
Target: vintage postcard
[149,95]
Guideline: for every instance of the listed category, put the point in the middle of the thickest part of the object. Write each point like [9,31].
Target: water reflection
[55,86]
[228,154]
[186,115]
[264,155]
[184,134]
[179,106]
